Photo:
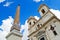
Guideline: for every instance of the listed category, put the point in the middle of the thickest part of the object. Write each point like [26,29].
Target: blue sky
[28,8]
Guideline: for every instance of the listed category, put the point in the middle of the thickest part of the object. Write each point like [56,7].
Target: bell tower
[31,21]
[15,29]
[43,9]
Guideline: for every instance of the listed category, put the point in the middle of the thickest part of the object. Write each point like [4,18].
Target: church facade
[46,28]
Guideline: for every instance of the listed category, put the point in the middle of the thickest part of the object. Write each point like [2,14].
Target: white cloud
[36,17]
[25,28]
[7,4]
[37,1]
[56,13]
[6,25]
[2,1]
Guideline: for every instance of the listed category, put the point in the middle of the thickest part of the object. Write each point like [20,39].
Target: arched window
[30,23]
[42,38]
[43,11]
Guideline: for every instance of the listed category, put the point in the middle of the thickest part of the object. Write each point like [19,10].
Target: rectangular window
[38,25]
[30,23]
[55,33]
[43,11]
